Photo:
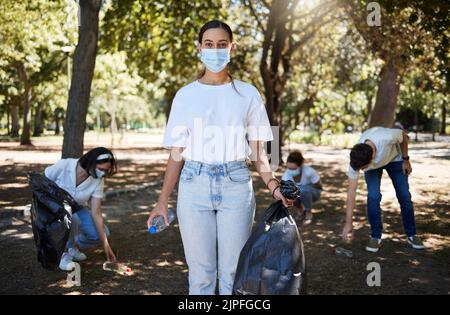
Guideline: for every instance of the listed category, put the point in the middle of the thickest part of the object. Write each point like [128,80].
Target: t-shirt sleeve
[396,135]
[313,176]
[176,132]
[352,173]
[98,192]
[258,125]
[53,171]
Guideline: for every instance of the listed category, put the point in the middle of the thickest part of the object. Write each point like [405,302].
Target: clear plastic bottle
[341,251]
[117,267]
[158,223]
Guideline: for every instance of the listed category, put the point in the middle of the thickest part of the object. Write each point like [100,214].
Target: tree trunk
[416,123]
[83,70]
[113,127]
[57,128]
[274,116]
[369,106]
[273,45]
[433,137]
[383,113]
[25,136]
[38,123]
[58,116]
[15,127]
[8,119]
[169,96]
[443,117]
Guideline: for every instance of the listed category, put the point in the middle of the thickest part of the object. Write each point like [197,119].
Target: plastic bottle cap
[152,229]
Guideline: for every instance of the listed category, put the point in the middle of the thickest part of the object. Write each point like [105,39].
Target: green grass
[91,136]
[341,141]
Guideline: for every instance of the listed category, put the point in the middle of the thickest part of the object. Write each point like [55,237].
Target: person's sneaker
[308,218]
[66,262]
[415,242]
[76,254]
[374,245]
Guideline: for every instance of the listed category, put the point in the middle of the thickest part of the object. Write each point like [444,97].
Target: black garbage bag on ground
[272,261]
[50,220]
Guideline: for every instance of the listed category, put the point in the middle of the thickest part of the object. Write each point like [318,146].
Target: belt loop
[199,167]
[225,169]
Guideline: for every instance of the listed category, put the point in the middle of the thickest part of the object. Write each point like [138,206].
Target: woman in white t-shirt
[215,124]
[83,179]
[307,179]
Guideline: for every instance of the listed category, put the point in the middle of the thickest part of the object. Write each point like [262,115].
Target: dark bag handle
[40,183]
[277,210]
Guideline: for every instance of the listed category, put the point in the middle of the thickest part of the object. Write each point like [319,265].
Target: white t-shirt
[214,123]
[64,174]
[387,141]
[309,176]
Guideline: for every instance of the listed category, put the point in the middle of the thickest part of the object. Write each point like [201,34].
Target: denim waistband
[222,169]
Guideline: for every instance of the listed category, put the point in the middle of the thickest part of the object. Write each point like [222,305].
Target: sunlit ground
[158,261]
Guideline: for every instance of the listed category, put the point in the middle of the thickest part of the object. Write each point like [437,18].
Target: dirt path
[159,261]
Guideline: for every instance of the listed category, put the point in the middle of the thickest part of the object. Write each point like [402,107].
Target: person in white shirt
[307,180]
[381,149]
[215,125]
[83,179]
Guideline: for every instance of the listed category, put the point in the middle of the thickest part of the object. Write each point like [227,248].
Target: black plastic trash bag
[272,261]
[50,220]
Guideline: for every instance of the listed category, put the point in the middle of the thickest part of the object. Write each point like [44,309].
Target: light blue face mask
[99,173]
[215,60]
[293,173]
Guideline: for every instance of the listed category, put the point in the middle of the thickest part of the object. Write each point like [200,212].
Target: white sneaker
[374,245]
[66,263]
[76,254]
[415,242]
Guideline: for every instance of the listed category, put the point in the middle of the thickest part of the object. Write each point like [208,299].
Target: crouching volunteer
[307,180]
[83,179]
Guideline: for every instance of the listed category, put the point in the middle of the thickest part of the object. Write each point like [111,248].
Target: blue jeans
[215,208]
[308,195]
[400,182]
[83,232]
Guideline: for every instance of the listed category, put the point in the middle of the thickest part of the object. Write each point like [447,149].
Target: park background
[79,74]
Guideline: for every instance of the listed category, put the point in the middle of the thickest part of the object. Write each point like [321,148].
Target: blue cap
[152,229]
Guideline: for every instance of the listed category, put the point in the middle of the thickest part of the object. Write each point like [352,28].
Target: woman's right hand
[347,231]
[109,253]
[159,209]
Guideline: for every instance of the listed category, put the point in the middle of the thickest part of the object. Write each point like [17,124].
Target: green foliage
[120,93]
[159,37]
[341,141]
[32,34]
[147,52]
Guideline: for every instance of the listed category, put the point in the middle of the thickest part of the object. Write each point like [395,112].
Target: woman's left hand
[109,253]
[279,196]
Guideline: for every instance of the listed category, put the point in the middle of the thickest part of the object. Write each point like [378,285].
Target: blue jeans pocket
[186,175]
[241,175]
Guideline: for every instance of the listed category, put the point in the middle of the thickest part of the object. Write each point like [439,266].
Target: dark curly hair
[360,155]
[296,157]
